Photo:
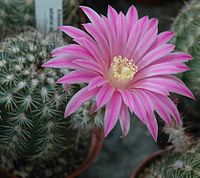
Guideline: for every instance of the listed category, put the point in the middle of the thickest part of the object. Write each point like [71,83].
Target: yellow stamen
[122,70]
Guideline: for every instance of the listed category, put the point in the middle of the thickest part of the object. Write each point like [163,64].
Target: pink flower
[128,68]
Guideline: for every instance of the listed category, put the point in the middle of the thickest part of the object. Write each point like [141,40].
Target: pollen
[122,70]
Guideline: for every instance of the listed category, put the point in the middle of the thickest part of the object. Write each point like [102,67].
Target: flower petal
[124,119]
[78,99]
[160,69]
[61,61]
[128,99]
[163,38]
[88,65]
[121,33]
[104,95]
[96,82]
[76,77]
[139,107]
[174,57]
[144,44]
[91,14]
[132,17]
[74,32]
[112,16]
[132,40]
[74,50]
[99,38]
[155,54]
[150,119]
[112,113]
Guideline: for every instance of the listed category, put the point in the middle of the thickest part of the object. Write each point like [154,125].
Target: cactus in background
[181,161]
[32,124]
[187,38]
[14,15]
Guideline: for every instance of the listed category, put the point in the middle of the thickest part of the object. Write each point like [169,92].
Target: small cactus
[180,161]
[32,124]
[187,38]
[15,14]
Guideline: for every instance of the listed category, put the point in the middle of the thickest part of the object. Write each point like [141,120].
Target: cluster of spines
[187,38]
[32,105]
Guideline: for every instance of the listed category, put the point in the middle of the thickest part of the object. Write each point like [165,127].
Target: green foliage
[16,14]
[187,38]
[31,103]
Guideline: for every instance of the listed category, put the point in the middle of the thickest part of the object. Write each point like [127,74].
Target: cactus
[181,160]
[14,15]
[32,124]
[187,38]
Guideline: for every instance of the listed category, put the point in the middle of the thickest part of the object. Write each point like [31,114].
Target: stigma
[122,70]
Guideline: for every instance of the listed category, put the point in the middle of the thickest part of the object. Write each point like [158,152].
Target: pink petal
[160,108]
[132,17]
[91,14]
[95,52]
[112,37]
[104,95]
[112,113]
[96,82]
[152,125]
[78,99]
[128,99]
[132,40]
[177,86]
[155,54]
[160,69]
[163,38]
[144,44]
[174,57]
[88,65]
[153,23]
[144,25]
[61,61]
[94,18]
[121,33]
[151,86]
[99,38]
[76,77]
[170,107]
[112,16]
[74,50]
[74,32]
[139,107]
[124,119]
[149,116]
[151,121]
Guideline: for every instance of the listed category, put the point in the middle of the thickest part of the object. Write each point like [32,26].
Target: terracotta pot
[95,147]
[146,162]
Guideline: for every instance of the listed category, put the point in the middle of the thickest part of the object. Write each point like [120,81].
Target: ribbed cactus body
[187,38]
[181,160]
[16,14]
[32,105]
[175,165]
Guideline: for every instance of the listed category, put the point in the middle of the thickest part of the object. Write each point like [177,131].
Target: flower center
[122,70]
